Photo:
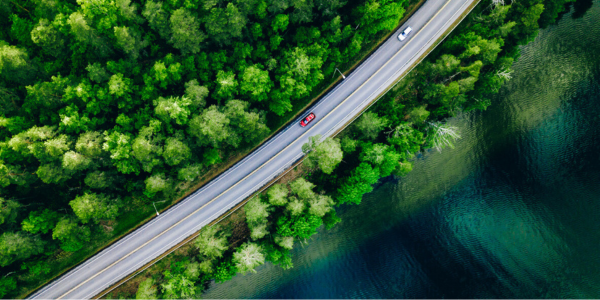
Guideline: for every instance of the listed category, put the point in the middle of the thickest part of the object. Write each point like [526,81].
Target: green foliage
[359,183]
[16,246]
[146,290]
[72,236]
[369,125]
[212,242]
[278,194]
[91,206]
[326,154]
[247,257]
[40,221]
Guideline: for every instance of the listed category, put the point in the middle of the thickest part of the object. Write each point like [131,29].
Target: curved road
[346,101]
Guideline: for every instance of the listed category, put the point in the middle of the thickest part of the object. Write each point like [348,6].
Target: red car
[307,120]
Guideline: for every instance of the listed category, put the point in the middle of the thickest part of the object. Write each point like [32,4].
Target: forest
[107,106]
[462,74]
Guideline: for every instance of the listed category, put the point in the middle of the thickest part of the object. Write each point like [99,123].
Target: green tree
[226,85]
[48,37]
[176,152]
[359,183]
[295,206]
[146,289]
[146,147]
[156,183]
[320,205]
[286,242]
[375,16]
[98,179]
[40,221]
[189,172]
[211,127]
[280,22]
[186,33]
[212,242]
[158,18]
[196,93]
[7,285]
[16,246]
[278,194]
[302,188]
[225,24]
[256,83]
[92,206]
[256,210]
[326,154]
[369,125]
[130,41]
[247,257]
[72,236]
[8,210]
[175,108]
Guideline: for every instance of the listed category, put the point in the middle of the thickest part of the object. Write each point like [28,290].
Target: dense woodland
[462,74]
[107,106]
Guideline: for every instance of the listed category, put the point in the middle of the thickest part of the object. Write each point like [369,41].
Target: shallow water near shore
[512,212]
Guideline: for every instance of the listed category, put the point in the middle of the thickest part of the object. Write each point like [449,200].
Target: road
[373,77]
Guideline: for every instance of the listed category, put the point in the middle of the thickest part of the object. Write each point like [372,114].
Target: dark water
[513,211]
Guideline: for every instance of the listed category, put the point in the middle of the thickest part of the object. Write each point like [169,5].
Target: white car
[404,34]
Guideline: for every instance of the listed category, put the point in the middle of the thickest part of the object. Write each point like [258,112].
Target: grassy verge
[138,215]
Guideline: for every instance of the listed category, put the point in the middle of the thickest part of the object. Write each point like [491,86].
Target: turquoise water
[512,211]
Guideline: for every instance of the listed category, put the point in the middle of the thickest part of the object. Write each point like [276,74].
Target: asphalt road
[342,104]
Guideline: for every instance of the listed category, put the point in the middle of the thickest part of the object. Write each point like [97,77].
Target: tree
[97,73]
[98,179]
[48,37]
[247,257]
[119,85]
[375,16]
[225,24]
[278,194]
[8,210]
[295,206]
[256,83]
[442,135]
[256,211]
[7,285]
[158,18]
[72,236]
[382,156]
[16,246]
[74,161]
[130,41]
[327,155]
[52,173]
[280,22]
[176,151]
[175,108]
[186,33]
[13,63]
[369,125]
[146,289]
[196,93]
[226,85]
[90,144]
[320,205]
[40,221]
[359,183]
[92,206]
[249,125]
[211,127]
[258,231]
[156,183]
[302,188]
[419,114]
[190,172]
[177,286]
[212,242]
[146,146]
[286,242]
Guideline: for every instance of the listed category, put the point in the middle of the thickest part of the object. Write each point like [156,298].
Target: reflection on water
[513,211]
